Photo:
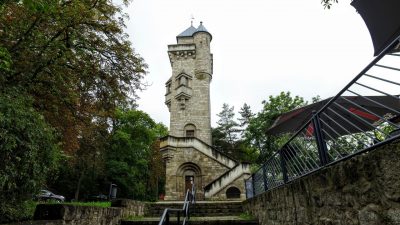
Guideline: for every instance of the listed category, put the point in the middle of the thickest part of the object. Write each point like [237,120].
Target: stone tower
[188,89]
[190,160]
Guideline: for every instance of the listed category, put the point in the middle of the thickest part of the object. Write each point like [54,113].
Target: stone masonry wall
[238,183]
[196,109]
[57,214]
[363,190]
[210,170]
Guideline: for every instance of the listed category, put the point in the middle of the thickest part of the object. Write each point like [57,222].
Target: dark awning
[382,18]
[366,109]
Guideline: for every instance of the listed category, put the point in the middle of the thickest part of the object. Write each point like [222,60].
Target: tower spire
[191,19]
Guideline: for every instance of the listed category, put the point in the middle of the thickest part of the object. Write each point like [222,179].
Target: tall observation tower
[189,157]
[188,89]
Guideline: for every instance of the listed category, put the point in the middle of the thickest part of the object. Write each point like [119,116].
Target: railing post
[167,219]
[179,217]
[283,166]
[265,177]
[245,188]
[253,185]
[321,144]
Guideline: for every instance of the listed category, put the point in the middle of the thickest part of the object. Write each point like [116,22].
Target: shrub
[28,152]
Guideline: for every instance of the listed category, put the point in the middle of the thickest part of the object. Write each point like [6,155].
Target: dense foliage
[131,154]
[255,134]
[250,142]
[28,153]
[72,57]
[68,83]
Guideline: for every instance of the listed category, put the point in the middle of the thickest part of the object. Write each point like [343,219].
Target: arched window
[190,130]
[232,192]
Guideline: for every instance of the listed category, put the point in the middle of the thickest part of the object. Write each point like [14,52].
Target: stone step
[200,208]
[221,220]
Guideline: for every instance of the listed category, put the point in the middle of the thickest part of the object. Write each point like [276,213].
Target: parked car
[46,195]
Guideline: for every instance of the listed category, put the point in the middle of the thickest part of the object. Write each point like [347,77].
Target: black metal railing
[184,212]
[363,115]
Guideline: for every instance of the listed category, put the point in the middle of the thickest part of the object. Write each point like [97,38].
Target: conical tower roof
[202,28]
[188,32]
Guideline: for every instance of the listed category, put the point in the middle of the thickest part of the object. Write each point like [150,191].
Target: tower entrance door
[189,180]
[188,176]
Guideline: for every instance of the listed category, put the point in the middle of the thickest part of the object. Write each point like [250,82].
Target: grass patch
[27,211]
[95,204]
[246,216]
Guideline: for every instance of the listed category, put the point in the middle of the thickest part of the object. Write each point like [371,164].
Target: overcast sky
[260,47]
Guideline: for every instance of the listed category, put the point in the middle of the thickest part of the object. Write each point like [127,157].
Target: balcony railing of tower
[188,206]
[364,115]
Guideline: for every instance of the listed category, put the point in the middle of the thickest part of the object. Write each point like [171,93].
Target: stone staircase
[192,142]
[204,213]
[226,179]
[200,209]
[236,170]
[197,221]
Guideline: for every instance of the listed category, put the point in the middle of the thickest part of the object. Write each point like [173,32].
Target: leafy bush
[28,152]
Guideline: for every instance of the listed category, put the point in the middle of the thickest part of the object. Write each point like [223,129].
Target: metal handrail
[335,132]
[190,200]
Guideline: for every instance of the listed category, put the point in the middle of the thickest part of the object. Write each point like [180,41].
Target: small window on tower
[189,133]
[168,86]
[189,130]
[183,81]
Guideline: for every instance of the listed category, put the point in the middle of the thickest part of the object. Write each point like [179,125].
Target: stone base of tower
[189,161]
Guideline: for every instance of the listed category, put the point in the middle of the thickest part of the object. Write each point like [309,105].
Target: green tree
[328,3]
[226,137]
[28,153]
[73,58]
[255,134]
[315,99]
[227,124]
[129,159]
[74,63]
[219,141]
[245,115]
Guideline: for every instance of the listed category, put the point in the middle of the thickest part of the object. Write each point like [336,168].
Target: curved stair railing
[188,206]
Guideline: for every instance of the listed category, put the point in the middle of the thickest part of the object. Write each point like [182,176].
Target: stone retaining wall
[64,214]
[363,190]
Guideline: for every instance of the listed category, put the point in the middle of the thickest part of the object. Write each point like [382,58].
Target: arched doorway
[232,193]
[188,174]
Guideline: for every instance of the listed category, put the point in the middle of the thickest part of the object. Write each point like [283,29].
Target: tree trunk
[78,187]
